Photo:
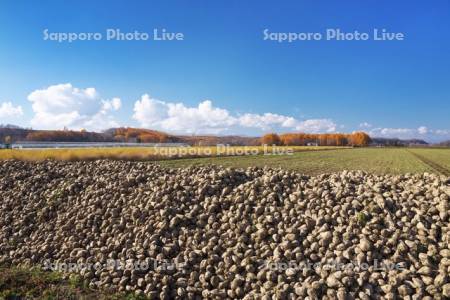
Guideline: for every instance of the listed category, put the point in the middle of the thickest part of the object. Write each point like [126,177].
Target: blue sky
[224,77]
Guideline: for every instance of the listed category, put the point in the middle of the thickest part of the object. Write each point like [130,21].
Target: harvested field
[439,159]
[372,160]
[310,160]
[212,232]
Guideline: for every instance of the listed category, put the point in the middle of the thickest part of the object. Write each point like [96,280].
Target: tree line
[133,135]
[138,135]
[327,139]
[66,136]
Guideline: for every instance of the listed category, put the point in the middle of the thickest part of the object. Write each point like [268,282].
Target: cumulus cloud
[365,125]
[63,105]
[208,119]
[8,110]
[442,132]
[266,121]
[406,132]
[409,133]
[150,112]
[205,118]
[422,130]
[316,126]
[113,104]
[270,121]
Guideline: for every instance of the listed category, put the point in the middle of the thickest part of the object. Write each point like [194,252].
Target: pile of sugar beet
[212,232]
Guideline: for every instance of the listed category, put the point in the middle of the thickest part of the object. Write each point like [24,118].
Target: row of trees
[137,135]
[305,139]
[66,136]
[140,135]
[133,135]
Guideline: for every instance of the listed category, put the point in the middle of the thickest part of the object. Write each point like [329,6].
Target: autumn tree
[359,139]
[141,135]
[326,139]
[119,138]
[271,139]
[153,138]
[66,136]
[290,139]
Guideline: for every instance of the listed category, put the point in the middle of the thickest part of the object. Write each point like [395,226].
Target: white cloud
[394,132]
[365,125]
[422,130]
[113,104]
[266,121]
[207,119]
[409,133]
[63,105]
[177,117]
[269,121]
[316,126]
[150,112]
[397,131]
[442,132]
[203,118]
[8,110]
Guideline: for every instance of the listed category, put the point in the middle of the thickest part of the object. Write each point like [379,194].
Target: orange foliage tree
[140,135]
[325,139]
[66,136]
[271,139]
[359,139]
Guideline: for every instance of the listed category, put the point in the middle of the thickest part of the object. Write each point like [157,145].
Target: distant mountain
[140,135]
[152,136]
[16,133]
[10,126]
[445,144]
[124,134]
[395,142]
[211,140]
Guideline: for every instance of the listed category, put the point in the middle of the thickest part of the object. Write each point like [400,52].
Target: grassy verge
[141,153]
[33,283]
